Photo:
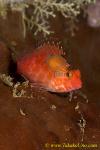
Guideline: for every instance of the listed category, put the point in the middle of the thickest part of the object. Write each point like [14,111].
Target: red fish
[47,67]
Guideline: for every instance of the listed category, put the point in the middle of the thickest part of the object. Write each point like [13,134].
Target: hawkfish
[47,67]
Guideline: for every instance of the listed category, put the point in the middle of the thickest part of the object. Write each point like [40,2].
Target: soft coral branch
[43,10]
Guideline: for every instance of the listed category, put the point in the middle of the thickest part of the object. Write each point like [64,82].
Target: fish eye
[69,74]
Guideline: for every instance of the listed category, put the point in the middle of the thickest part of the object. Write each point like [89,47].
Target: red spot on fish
[47,67]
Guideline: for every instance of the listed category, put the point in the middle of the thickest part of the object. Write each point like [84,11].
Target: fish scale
[47,67]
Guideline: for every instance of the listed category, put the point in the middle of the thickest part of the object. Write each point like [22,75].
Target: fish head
[66,82]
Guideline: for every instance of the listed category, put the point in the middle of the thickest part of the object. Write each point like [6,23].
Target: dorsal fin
[51,46]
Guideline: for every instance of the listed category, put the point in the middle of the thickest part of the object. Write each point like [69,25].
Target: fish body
[47,67]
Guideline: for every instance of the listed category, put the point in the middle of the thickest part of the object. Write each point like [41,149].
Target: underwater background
[35,119]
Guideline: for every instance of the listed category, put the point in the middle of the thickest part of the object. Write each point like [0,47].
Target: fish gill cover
[42,11]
